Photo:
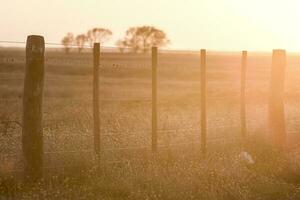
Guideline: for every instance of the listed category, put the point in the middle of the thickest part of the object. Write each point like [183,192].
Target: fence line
[84,46]
[32,124]
[46,43]
[88,46]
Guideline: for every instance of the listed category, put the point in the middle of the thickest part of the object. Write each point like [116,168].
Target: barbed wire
[46,43]
[88,46]
[162,50]
[71,45]
[12,42]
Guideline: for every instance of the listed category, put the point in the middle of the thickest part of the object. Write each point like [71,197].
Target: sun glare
[277,18]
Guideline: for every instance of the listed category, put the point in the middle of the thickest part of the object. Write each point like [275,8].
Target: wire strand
[87,46]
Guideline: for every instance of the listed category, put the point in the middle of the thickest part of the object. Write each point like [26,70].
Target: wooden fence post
[32,131]
[203,101]
[96,52]
[154,99]
[276,99]
[243,94]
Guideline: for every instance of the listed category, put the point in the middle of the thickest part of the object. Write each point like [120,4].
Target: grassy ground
[125,93]
[182,175]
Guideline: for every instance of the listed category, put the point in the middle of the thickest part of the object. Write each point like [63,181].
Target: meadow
[126,168]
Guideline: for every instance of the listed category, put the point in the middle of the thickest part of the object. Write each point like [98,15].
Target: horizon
[21,47]
[230,26]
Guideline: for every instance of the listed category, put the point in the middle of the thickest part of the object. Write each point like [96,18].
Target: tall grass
[221,175]
[177,172]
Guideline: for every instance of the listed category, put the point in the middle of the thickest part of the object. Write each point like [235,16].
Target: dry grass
[178,172]
[184,175]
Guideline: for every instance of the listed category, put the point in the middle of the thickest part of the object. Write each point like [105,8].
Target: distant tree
[80,41]
[67,41]
[100,35]
[142,38]
[121,45]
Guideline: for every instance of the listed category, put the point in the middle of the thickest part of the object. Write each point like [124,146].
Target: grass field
[125,92]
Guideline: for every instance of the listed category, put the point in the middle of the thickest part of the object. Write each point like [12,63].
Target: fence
[33,97]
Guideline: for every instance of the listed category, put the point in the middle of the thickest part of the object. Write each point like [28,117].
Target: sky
[232,25]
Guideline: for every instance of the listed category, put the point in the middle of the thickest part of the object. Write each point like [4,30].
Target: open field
[125,93]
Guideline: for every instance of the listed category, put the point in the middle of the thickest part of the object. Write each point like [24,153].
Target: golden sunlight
[213,24]
[150,99]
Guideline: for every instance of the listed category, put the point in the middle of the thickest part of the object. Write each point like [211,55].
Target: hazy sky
[190,24]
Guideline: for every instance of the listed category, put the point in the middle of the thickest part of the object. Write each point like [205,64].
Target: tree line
[136,39]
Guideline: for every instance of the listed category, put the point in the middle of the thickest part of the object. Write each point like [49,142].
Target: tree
[121,44]
[80,41]
[100,35]
[142,38]
[67,41]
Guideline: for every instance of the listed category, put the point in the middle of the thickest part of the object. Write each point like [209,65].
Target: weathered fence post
[276,99]
[154,99]
[32,132]
[243,94]
[96,52]
[203,101]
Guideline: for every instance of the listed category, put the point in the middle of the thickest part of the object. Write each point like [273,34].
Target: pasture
[127,169]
